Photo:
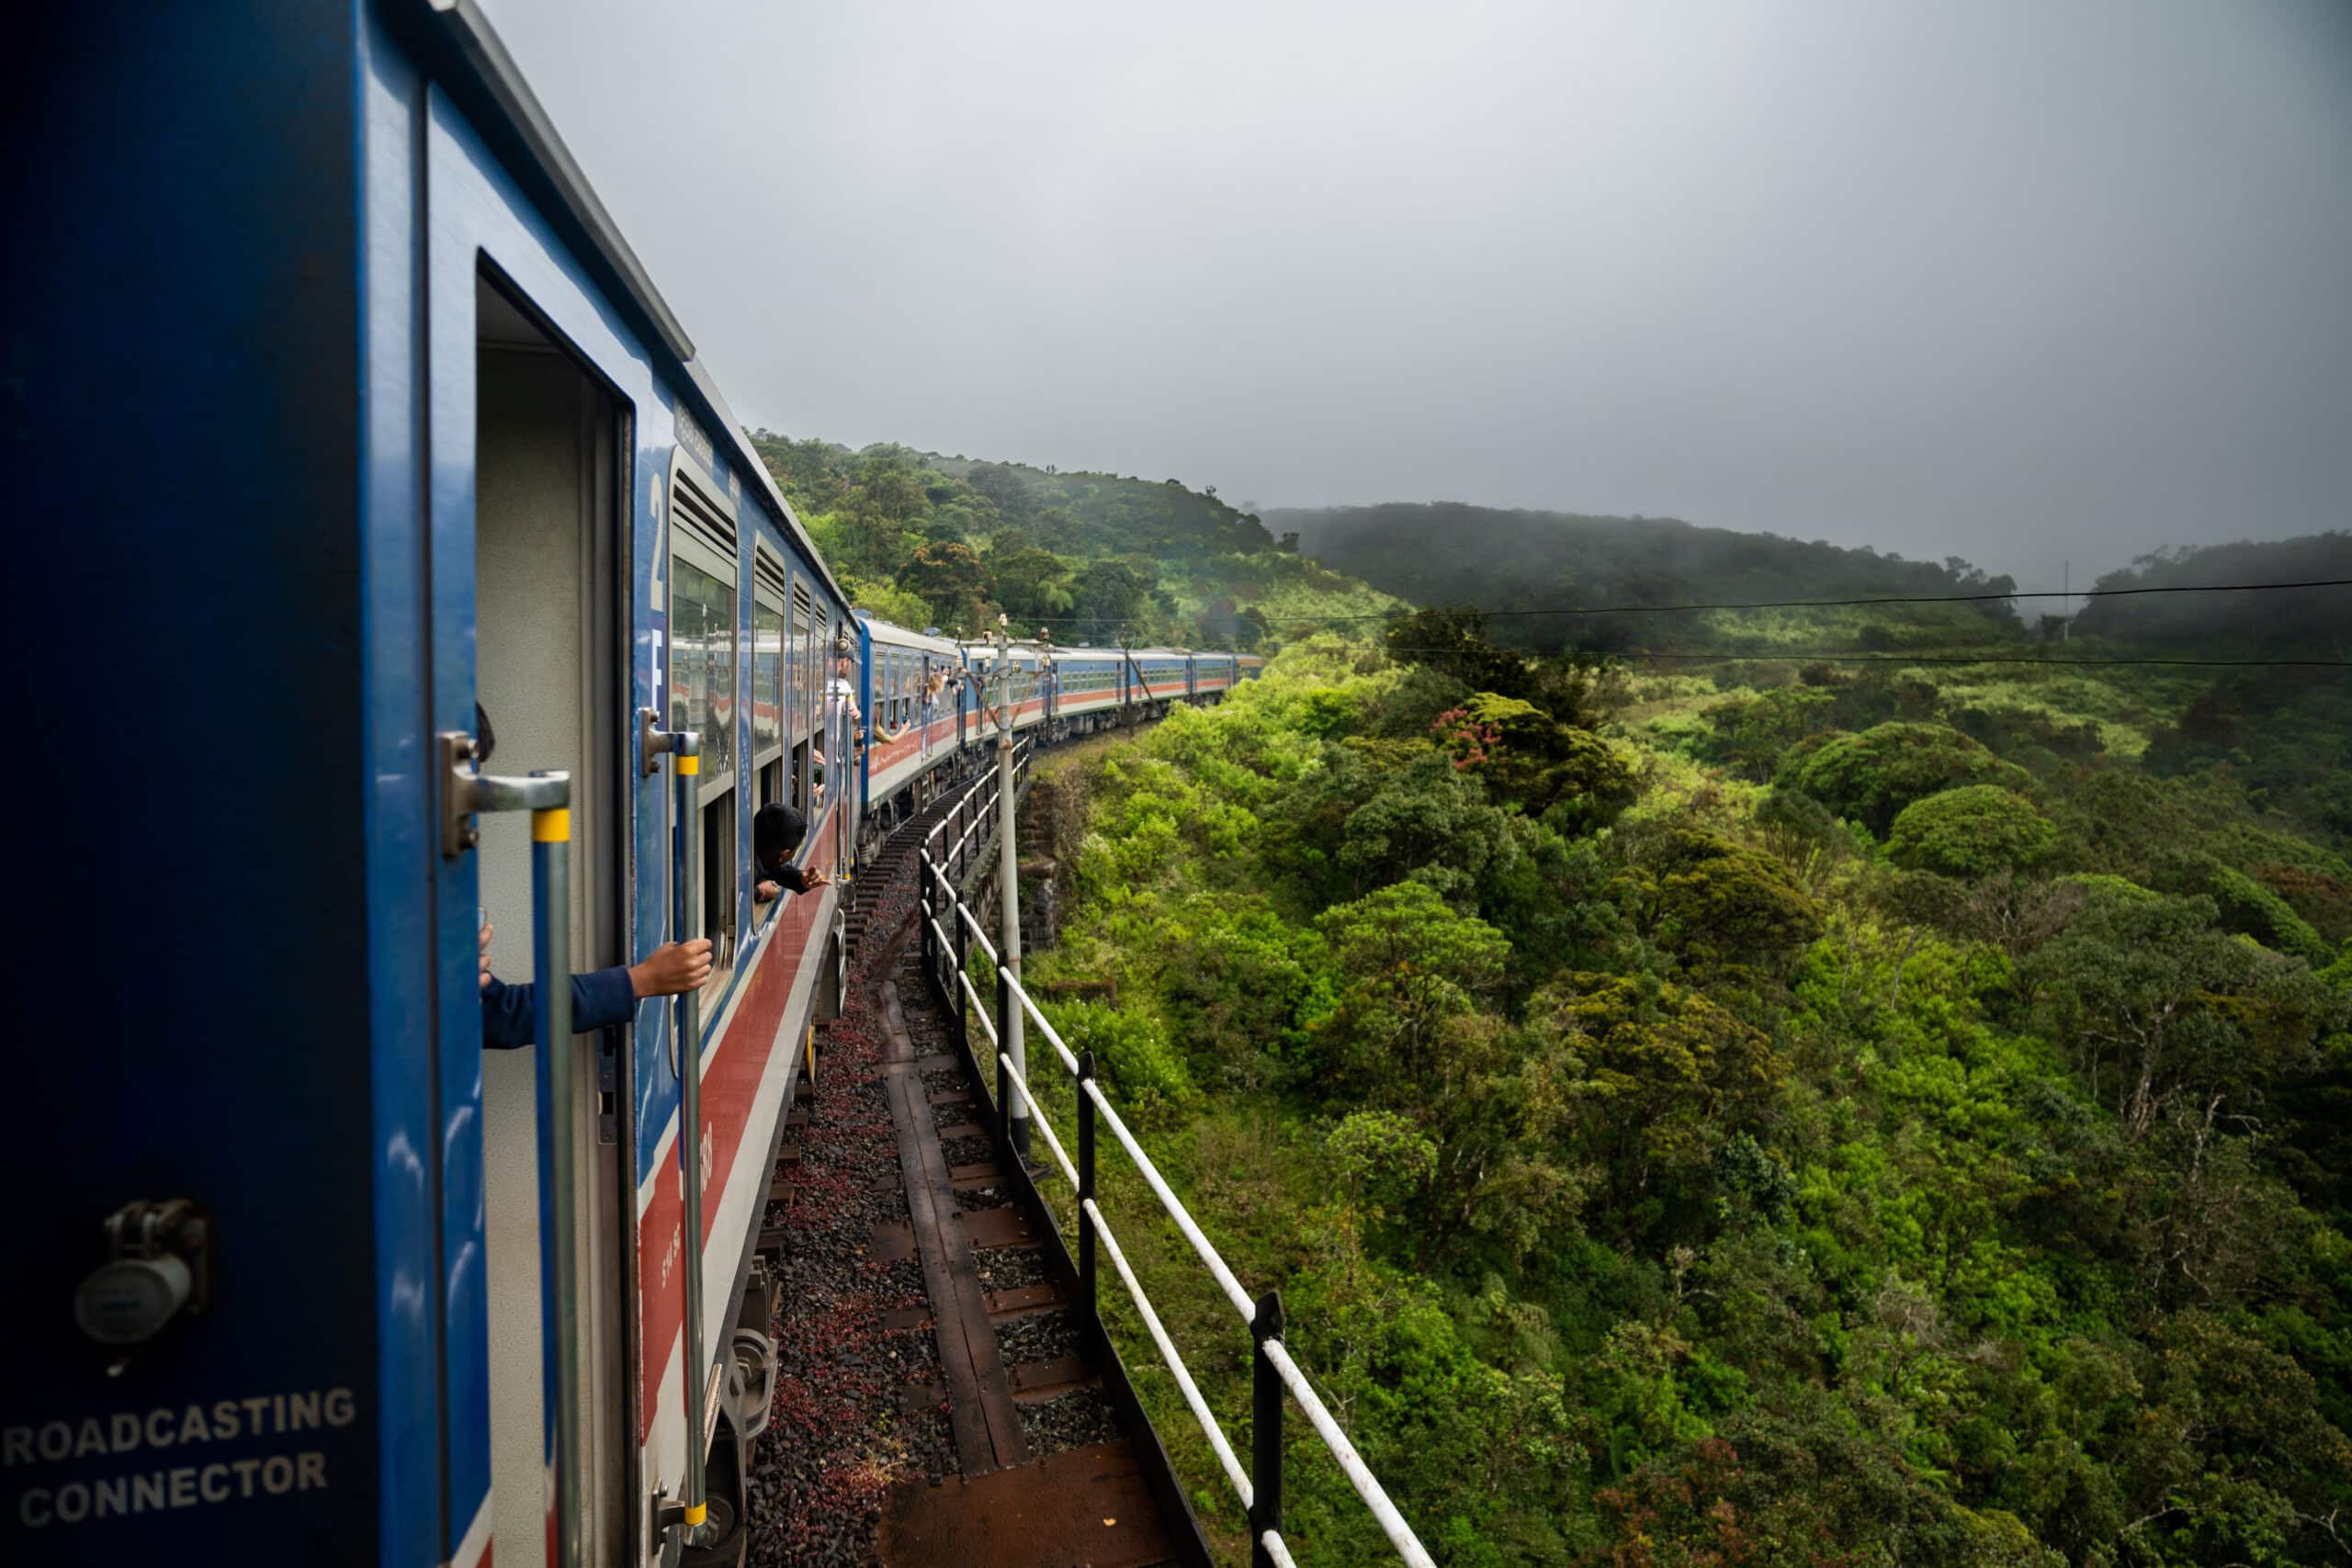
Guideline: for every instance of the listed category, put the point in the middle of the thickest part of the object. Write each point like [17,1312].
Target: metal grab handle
[465,791]
[559,1156]
[653,742]
[547,796]
[686,748]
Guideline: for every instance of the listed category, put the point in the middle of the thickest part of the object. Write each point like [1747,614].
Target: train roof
[1018,648]
[488,87]
[897,636]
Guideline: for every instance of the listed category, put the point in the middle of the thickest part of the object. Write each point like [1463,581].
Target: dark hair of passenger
[776,830]
[485,738]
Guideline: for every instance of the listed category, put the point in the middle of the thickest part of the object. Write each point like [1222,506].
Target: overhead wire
[1844,603]
[1985,598]
[1921,659]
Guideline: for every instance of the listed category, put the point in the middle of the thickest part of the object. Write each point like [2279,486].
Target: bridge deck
[1044,1461]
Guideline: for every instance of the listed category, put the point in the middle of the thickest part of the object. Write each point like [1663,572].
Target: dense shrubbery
[1971,831]
[1660,1169]
[1872,777]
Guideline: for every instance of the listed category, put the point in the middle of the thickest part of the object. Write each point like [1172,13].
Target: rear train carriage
[414,432]
[1030,683]
[911,692]
[1086,689]
[1159,675]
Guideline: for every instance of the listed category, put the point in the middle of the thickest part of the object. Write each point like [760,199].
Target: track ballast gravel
[839,1439]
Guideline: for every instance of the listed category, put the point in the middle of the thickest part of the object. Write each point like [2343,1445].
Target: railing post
[1265,1430]
[962,944]
[1087,1303]
[1004,1006]
[930,958]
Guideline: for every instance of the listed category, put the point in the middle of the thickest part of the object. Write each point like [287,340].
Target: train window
[702,671]
[801,639]
[769,594]
[702,675]
[767,656]
[718,864]
[823,711]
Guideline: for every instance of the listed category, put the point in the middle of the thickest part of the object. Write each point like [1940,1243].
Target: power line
[1771,603]
[1841,604]
[1926,659]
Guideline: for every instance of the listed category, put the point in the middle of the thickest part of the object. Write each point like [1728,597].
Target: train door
[548,666]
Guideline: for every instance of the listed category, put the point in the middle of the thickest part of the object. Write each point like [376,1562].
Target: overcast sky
[2018,281]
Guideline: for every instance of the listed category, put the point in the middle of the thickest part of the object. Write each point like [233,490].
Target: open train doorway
[549,483]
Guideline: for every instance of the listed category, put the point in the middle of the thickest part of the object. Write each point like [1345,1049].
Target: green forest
[1514,561]
[1753,1112]
[927,540]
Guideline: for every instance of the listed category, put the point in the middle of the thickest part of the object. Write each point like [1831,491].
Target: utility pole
[2066,602]
[1009,874]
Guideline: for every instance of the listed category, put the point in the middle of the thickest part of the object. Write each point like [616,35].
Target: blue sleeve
[505,1016]
[602,1000]
[598,1001]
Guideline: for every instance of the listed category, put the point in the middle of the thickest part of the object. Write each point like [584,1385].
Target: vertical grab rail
[687,769]
[559,1156]
[467,792]
[684,748]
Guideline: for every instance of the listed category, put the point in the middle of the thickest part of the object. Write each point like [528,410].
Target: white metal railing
[1275,1373]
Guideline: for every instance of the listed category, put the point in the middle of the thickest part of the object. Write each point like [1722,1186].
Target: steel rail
[1069,1058]
[1400,1534]
[1233,1470]
[977,934]
[1295,1382]
[1168,1200]
[986,1022]
[1038,1112]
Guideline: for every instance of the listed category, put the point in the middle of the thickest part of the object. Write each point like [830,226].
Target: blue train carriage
[911,693]
[1156,676]
[1085,690]
[415,433]
[1030,686]
[1248,667]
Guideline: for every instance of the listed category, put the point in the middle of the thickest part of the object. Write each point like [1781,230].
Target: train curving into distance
[340,397]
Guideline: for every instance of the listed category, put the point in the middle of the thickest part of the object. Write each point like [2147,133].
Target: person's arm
[506,1016]
[790,878]
[602,1000]
[599,999]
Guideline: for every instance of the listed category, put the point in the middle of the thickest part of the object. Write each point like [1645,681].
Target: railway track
[934,1405]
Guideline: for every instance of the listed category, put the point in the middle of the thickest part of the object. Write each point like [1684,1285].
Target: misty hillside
[2308,620]
[1450,553]
[927,539]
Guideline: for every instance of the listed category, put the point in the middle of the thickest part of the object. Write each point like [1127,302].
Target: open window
[703,640]
[817,657]
[769,593]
